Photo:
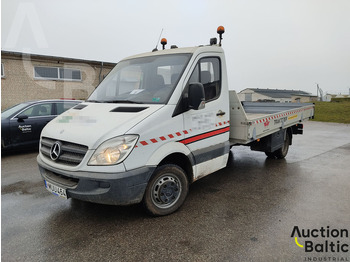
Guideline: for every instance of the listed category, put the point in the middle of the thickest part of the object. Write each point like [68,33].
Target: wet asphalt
[245,212]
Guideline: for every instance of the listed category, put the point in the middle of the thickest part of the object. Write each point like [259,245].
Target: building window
[2,71]
[57,73]
[46,72]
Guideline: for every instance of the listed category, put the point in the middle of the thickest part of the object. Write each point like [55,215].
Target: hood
[91,124]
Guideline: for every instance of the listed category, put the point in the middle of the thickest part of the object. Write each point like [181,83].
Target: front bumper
[105,188]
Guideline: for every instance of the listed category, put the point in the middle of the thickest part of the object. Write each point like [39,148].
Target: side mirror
[196,97]
[20,118]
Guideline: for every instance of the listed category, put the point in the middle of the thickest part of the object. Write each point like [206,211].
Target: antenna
[156,48]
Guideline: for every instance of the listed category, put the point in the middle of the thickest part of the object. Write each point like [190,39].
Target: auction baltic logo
[323,240]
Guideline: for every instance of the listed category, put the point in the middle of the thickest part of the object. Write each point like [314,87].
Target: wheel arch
[174,153]
[182,161]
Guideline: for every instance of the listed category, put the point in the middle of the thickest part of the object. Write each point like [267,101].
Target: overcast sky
[284,44]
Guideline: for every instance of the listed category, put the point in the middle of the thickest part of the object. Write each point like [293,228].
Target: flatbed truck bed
[250,121]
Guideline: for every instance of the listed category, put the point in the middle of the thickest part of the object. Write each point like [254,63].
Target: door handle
[220,113]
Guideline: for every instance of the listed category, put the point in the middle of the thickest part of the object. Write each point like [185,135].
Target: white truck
[158,122]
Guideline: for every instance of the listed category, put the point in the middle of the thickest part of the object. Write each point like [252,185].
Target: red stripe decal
[154,140]
[170,136]
[162,138]
[185,132]
[178,134]
[206,135]
[144,143]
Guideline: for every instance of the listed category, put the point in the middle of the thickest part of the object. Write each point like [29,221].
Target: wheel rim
[166,191]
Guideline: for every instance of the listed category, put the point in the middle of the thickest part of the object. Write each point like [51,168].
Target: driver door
[208,129]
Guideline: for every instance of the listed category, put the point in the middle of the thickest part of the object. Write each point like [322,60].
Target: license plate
[56,190]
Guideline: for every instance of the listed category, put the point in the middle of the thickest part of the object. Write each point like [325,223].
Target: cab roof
[185,50]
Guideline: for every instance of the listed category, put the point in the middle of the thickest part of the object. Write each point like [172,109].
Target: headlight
[113,151]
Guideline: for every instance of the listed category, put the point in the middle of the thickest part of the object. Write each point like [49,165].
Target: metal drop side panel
[269,124]
[250,121]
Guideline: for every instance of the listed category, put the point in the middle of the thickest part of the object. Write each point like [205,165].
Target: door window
[208,73]
[38,110]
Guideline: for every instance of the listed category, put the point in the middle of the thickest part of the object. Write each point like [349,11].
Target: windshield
[148,80]
[12,110]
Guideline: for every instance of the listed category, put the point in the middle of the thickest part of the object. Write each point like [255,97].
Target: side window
[208,73]
[210,77]
[61,107]
[38,110]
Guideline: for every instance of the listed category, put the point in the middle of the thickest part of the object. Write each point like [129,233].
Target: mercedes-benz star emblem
[55,150]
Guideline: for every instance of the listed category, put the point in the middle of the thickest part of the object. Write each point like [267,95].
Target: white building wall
[327,98]
[256,97]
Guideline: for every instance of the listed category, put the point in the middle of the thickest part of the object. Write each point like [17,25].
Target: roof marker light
[163,42]
[220,31]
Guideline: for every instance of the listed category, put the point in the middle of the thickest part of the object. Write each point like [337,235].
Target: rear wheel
[283,151]
[166,190]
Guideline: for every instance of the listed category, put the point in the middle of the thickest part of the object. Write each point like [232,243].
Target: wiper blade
[94,101]
[123,101]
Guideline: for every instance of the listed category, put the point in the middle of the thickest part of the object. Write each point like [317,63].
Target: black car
[21,124]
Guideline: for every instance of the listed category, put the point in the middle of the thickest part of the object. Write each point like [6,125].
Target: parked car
[21,124]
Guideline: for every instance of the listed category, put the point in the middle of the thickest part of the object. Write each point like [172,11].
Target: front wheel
[166,190]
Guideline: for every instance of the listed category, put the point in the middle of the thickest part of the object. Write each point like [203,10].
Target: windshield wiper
[123,101]
[94,101]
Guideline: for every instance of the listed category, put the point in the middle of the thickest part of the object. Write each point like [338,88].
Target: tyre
[283,151]
[166,191]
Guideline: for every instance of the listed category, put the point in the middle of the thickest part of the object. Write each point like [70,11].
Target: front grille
[71,154]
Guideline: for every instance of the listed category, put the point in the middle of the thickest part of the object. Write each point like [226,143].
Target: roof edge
[67,59]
